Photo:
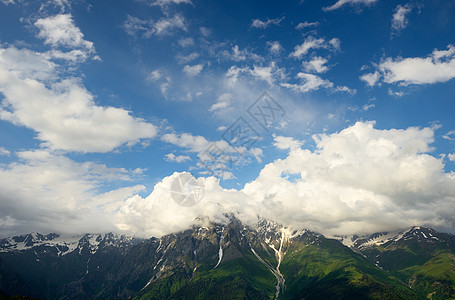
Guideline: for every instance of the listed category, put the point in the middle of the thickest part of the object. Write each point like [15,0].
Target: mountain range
[230,261]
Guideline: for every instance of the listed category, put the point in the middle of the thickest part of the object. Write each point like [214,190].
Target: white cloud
[222,102]
[371,78]
[155,75]
[185,42]
[183,59]
[257,153]
[47,192]
[63,112]
[343,88]
[306,24]
[7,2]
[178,158]
[223,156]
[27,64]
[359,180]
[316,64]
[264,24]
[147,28]
[439,66]
[165,26]
[309,82]
[449,135]
[161,79]
[399,20]
[164,3]
[185,140]
[4,151]
[159,214]
[133,26]
[369,105]
[286,143]
[193,70]
[269,73]
[335,43]
[60,30]
[240,55]
[75,56]
[390,92]
[314,43]
[451,156]
[340,3]
[275,47]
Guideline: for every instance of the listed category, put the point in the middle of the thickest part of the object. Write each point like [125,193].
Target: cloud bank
[359,180]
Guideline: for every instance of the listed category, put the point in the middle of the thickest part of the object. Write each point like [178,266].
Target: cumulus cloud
[286,143]
[264,24]
[269,74]
[60,30]
[315,43]
[341,3]
[188,141]
[43,192]
[62,112]
[439,66]
[371,78]
[358,180]
[159,214]
[176,158]
[27,64]
[193,70]
[309,82]
[214,157]
[316,64]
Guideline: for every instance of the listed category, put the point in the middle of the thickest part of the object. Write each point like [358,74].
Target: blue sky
[102,101]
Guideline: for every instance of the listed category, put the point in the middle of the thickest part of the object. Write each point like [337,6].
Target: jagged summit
[384,238]
[229,259]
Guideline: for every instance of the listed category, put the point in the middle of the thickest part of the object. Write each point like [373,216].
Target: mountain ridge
[264,261]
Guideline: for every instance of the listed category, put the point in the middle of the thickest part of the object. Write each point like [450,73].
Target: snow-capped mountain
[65,244]
[419,233]
[225,261]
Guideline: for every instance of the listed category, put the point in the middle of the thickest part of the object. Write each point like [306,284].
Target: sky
[334,116]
